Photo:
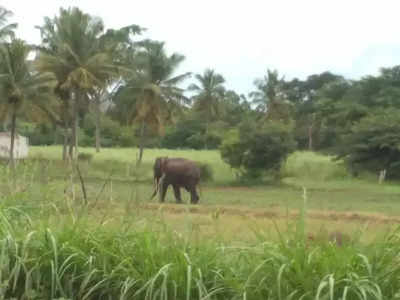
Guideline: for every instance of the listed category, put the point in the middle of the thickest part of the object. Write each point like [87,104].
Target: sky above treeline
[242,39]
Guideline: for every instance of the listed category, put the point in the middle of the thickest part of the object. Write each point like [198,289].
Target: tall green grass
[55,246]
[77,260]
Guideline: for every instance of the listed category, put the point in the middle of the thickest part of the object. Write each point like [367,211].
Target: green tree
[153,94]
[269,97]
[19,83]
[118,44]
[236,108]
[209,95]
[308,98]
[373,143]
[70,50]
[186,133]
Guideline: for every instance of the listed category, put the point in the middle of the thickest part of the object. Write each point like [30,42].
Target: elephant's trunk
[160,187]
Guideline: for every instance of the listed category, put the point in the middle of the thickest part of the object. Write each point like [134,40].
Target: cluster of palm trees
[79,65]
[20,84]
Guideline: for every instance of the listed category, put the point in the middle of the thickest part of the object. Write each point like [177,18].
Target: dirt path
[244,211]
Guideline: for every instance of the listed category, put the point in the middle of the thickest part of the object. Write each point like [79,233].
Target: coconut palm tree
[6,30]
[118,43]
[269,96]
[19,83]
[208,95]
[153,89]
[71,50]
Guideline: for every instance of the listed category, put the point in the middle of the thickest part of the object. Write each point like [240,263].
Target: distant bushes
[112,133]
[39,134]
[84,156]
[206,171]
[254,150]
[373,144]
[191,134]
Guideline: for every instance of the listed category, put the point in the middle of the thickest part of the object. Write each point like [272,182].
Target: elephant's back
[183,168]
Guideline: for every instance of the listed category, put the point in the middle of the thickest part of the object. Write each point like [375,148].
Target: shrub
[374,144]
[126,137]
[206,171]
[186,134]
[195,141]
[192,134]
[84,156]
[253,150]
[40,134]
[112,134]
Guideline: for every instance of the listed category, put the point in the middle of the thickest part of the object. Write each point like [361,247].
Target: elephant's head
[158,169]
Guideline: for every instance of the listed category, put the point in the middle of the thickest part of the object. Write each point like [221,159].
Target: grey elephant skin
[178,172]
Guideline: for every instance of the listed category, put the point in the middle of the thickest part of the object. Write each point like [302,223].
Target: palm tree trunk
[65,143]
[97,107]
[310,139]
[310,132]
[76,132]
[206,136]
[73,148]
[12,138]
[141,143]
[55,136]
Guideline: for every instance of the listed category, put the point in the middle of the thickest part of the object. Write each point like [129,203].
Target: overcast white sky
[241,39]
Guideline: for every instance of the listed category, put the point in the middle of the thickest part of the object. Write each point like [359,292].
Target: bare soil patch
[271,213]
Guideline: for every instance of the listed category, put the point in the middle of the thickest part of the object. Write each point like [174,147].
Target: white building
[20,145]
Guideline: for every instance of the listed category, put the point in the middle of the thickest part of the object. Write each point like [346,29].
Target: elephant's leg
[194,197]
[163,192]
[177,193]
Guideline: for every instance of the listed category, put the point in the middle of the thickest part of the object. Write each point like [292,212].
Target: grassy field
[319,234]
[327,184]
[334,200]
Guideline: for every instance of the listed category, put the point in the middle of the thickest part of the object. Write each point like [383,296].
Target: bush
[126,137]
[84,156]
[254,150]
[112,133]
[195,141]
[192,134]
[206,171]
[374,144]
[40,134]
[185,134]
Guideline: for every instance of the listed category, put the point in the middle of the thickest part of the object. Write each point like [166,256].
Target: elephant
[178,172]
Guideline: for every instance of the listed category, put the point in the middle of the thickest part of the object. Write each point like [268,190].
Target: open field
[328,187]
[334,200]
[317,235]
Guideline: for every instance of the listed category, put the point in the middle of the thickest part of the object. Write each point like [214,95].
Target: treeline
[94,87]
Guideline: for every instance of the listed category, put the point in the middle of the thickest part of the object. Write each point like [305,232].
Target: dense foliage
[374,143]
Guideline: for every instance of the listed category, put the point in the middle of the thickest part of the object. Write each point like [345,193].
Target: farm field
[318,234]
